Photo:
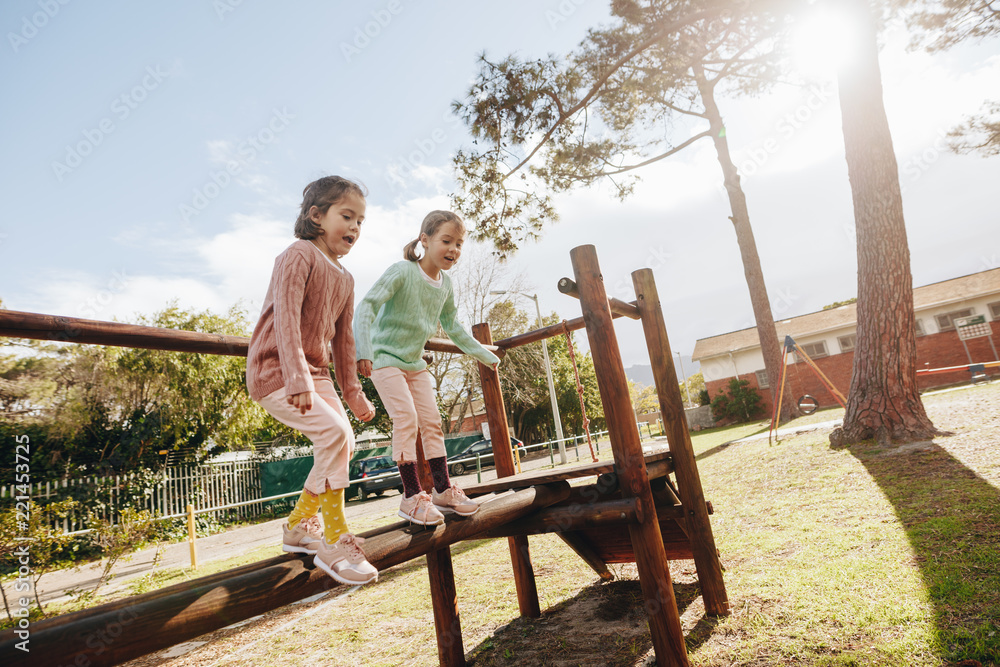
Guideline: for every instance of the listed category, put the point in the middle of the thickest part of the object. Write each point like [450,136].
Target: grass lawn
[857,556]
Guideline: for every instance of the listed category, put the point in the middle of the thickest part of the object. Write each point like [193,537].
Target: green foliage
[33,524]
[838,304]
[696,383]
[106,410]
[119,539]
[545,125]
[739,403]
[704,398]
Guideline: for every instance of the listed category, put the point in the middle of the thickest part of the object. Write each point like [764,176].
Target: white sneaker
[453,499]
[345,561]
[304,538]
[419,508]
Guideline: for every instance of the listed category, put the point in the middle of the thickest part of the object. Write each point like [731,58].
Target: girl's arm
[383,290]
[344,362]
[459,336]
[291,276]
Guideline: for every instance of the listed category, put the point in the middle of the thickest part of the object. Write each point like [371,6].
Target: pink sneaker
[304,538]
[419,508]
[453,499]
[345,561]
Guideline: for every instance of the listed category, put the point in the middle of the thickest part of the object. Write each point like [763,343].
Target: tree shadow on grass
[951,516]
[604,624]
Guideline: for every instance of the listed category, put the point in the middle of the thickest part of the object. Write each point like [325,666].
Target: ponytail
[410,250]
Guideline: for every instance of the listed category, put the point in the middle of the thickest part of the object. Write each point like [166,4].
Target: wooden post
[444,598]
[699,527]
[647,541]
[192,537]
[496,415]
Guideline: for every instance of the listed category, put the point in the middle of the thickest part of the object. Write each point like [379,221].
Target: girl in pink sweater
[309,305]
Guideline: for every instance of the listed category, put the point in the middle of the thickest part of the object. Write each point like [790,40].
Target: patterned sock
[334,521]
[439,470]
[411,483]
[305,508]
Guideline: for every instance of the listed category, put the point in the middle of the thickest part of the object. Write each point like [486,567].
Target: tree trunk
[769,346]
[884,402]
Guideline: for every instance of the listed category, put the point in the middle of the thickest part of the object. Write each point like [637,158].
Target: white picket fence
[205,486]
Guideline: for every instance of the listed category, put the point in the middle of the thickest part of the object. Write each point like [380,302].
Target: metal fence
[208,487]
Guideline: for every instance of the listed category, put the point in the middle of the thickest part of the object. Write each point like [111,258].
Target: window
[762,379]
[919,328]
[815,350]
[946,322]
[847,343]
[994,310]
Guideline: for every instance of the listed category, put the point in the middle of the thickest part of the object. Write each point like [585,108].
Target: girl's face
[443,249]
[341,225]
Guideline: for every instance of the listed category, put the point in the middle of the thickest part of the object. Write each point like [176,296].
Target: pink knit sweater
[309,303]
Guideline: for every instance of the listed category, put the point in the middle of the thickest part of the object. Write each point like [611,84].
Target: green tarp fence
[278,477]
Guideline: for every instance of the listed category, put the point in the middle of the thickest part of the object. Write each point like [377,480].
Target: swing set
[791,346]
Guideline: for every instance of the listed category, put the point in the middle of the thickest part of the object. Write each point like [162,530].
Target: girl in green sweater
[391,326]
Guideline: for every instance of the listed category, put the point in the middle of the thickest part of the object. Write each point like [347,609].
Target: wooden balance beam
[120,631]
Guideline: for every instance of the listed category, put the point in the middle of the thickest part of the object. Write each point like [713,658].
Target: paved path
[55,586]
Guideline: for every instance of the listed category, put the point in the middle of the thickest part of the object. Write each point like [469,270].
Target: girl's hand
[496,366]
[365,368]
[303,401]
[368,416]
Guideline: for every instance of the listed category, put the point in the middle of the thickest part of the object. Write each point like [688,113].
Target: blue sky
[120,119]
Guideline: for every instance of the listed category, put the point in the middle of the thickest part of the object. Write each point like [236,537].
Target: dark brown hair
[431,224]
[323,194]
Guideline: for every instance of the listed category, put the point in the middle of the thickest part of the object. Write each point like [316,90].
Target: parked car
[465,460]
[374,475]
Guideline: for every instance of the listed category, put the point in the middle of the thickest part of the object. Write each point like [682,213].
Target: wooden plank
[120,631]
[647,540]
[571,517]
[503,459]
[582,547]
[613,543]
[698,525]
[527,479]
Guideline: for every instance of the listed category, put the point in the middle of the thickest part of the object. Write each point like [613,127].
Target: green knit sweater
[405,310]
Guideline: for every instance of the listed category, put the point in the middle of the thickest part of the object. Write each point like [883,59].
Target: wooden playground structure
[631,511]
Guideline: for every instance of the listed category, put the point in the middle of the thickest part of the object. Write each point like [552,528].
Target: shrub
[740,403]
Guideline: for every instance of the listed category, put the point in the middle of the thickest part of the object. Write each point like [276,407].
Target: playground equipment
[631,512]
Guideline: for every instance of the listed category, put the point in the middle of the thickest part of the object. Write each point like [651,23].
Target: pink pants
[329,429]
[409,399]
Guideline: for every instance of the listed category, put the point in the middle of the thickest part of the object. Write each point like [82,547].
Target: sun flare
[825,41]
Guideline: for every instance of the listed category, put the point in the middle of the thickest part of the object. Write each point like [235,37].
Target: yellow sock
[334,521]
[306,507]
